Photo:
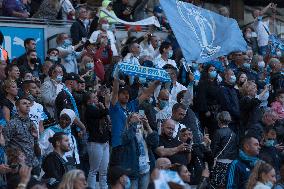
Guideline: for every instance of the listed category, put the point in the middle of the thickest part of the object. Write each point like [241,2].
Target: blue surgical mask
[90,65]
[246,65]
[163,103]
[269,143]
[59,78]
[213,74]
[269,184]
[170,53]
[233,79]
[127,183]
[67,42]
[195,66]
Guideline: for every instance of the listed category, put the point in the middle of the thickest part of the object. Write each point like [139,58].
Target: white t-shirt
[159,62]
[260,28]
[37,114]
[175,90]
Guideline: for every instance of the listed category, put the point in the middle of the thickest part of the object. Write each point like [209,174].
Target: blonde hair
[69,178]
[245,89]
[84,61]
[7,84]
[256,174]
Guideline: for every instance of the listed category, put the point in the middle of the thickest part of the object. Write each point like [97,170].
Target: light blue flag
[202,35]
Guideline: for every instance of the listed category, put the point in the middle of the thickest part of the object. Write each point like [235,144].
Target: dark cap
[73,77]
[115,173]
[124,88]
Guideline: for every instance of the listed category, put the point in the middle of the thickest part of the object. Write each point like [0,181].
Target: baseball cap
[73,76]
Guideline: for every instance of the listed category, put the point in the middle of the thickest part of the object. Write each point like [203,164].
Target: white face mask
[105,27]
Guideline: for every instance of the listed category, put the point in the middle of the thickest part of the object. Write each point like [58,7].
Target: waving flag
[203,35]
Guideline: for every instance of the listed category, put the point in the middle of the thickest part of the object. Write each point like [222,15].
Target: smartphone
[142,113]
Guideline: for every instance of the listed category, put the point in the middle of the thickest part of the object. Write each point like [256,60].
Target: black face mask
[33,60]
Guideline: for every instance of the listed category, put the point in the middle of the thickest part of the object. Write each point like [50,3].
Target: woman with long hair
[74,179]
[8,104]
[263,176]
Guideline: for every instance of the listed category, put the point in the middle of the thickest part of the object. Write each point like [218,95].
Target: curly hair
[256,174]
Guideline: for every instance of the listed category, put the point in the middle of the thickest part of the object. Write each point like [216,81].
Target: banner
[275,43]
[14,40]
[203,35]
[144,72]
[146,22]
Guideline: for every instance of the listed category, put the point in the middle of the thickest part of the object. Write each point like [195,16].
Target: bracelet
[21,186]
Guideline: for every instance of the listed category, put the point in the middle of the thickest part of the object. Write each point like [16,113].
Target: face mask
[105,27]
[278,53]
[212,74]
[67,42]
[127,183]
[261,64]
[164,103]
[90,65]
[246,65]
[170,54]
[194,66]
[33,60]
[269,184]
[59,78]
[248,35]
[233,79]
[269,143]
[53,58]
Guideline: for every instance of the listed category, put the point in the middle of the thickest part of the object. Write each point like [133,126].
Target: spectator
[279,184]
[22,133]
[68,53]
[151,45]
[99,137]
[170,147]
[8,104]
[175,86]
[104,27]
[278,104]
[87,71]
[67,11]
[166,53]
[73,179]
[262,28]
[49,9]
[251,38]
[12,72]
[240,169]
[66,119]
[224,149]
[51,88]
[54,166]
[271,150]
[123,10]
[236,62]
[208,101]
[118,178]
[262,177]
[32,65]
[15,8]
[52,55]
[224,11]
[178,113]
[230,100]
[139,12]
[36,113]
[107,4]
[268,120]
[45,69]
[79,29]
[29,44]
[241,79]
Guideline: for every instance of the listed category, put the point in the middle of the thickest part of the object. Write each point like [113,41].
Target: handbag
[219,170]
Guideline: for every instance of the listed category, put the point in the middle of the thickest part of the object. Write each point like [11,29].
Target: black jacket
[230,101]
[220,140]
[54,166]
[250,111]
[256,130]
[78,31]
[97,124]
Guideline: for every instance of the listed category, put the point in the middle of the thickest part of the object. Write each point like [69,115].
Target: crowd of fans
[75,121]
